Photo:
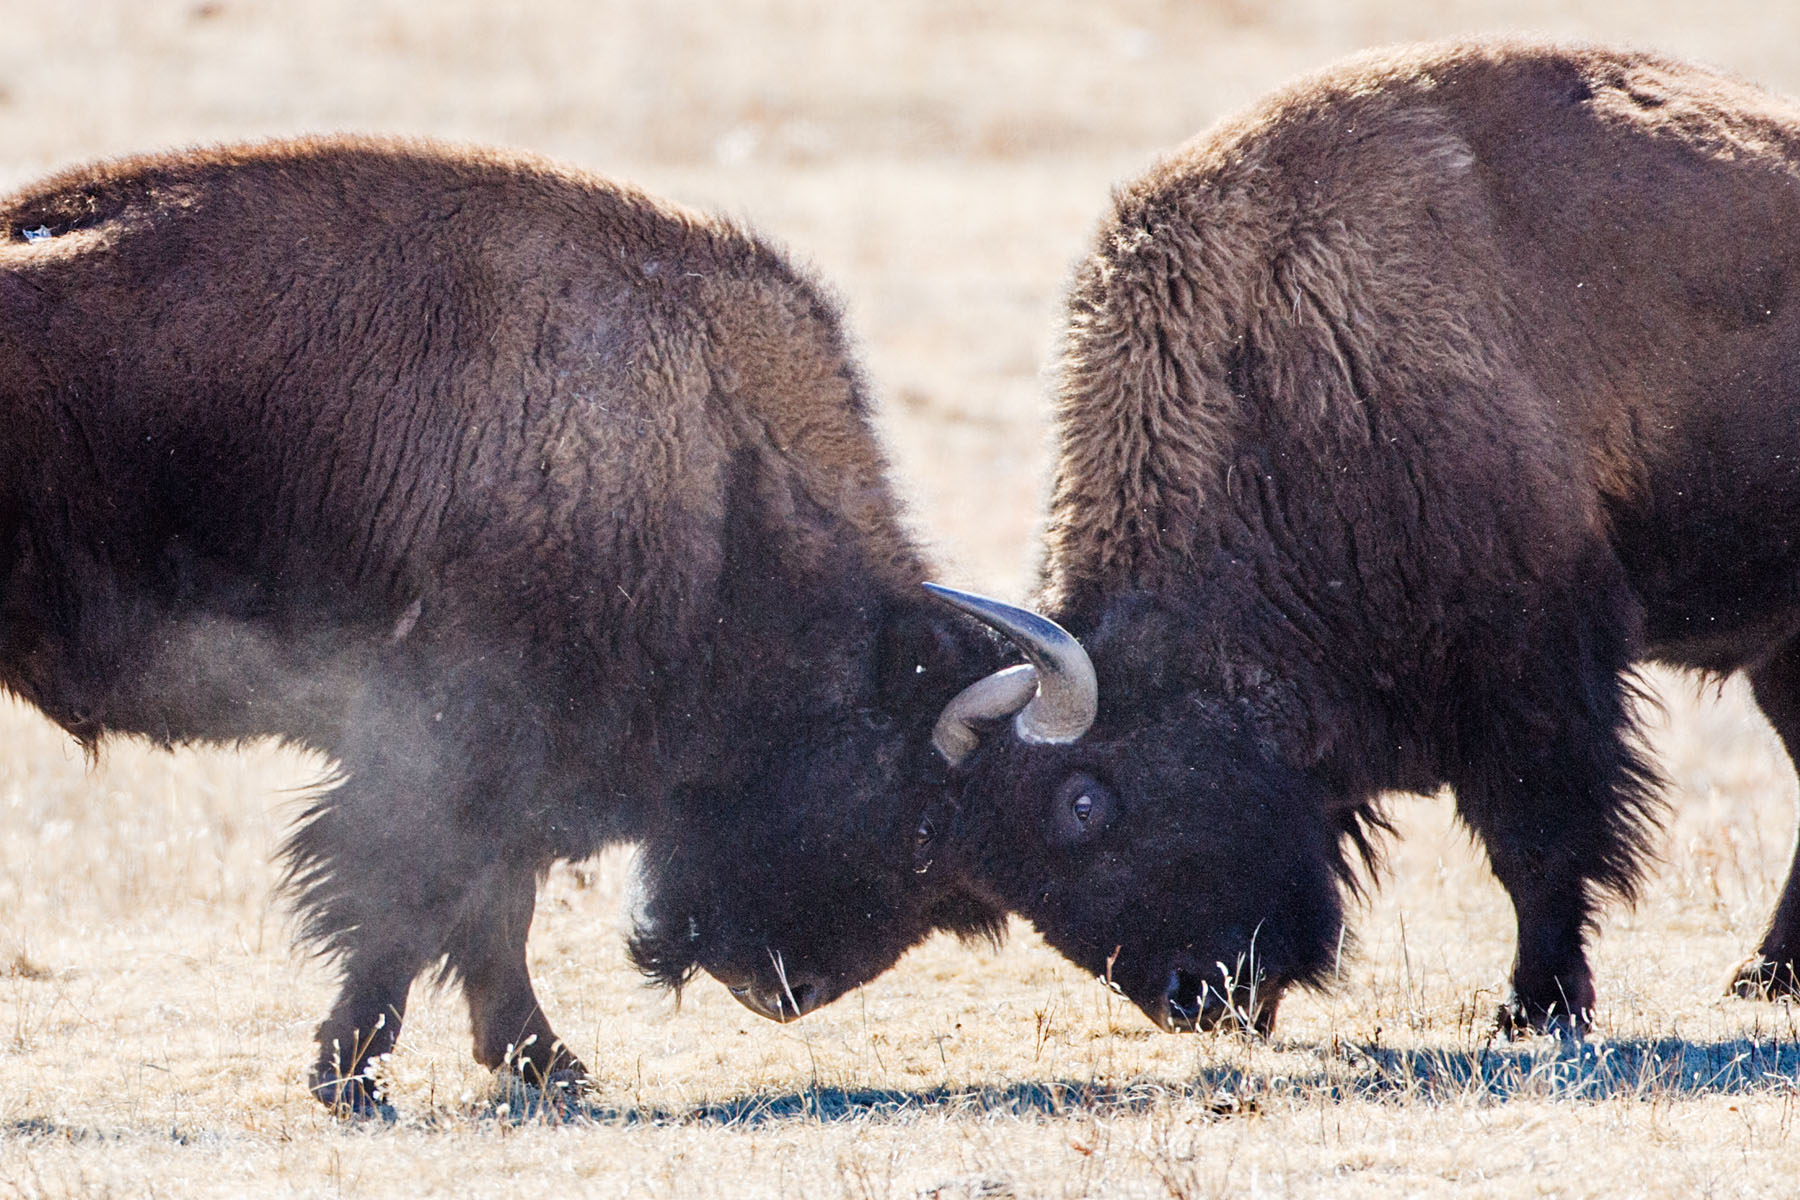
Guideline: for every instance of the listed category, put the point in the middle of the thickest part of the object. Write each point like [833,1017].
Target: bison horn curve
[1055,695]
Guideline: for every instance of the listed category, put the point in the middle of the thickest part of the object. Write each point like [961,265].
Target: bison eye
[924,838]
[1083,807]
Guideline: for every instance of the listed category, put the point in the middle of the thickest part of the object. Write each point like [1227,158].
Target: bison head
[795,883]
[1157,839]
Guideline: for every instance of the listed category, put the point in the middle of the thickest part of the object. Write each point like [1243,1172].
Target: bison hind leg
[1761,978]
[1773,972]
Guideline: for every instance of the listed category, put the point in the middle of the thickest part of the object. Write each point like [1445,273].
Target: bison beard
[1400,418]
[550,512]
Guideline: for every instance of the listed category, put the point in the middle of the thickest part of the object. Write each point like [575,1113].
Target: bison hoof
[558,1072]
[1759,978]
[568,1083]
[1517,1021]
[356,1097]
[562,1095]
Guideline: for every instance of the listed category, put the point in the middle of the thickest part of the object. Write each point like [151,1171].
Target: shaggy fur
[1399,418]
[551,512]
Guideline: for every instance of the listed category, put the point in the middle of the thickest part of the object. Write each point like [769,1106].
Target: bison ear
[926,655]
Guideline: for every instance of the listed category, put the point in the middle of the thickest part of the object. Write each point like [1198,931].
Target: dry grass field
[941,163]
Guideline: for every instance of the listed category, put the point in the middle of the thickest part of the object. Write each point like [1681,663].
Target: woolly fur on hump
[1270,263]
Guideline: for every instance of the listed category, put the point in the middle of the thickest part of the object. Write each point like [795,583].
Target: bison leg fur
[509,1027]
[1565,807]
[1772,971]
[383,904]
[364,1025]
[395,869]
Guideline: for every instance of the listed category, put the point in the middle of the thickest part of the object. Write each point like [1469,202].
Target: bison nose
[783,1001]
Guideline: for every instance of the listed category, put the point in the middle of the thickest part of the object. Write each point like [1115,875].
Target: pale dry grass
[941,163]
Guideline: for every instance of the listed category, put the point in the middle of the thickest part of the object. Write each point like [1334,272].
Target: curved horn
[987,699]
[1066,695]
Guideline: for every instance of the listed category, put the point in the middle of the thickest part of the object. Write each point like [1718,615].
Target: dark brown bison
[1399,419]
[552,513]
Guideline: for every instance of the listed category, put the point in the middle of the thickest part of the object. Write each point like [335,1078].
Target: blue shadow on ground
[1629,1068]
[1494,1073]
[1497,1073]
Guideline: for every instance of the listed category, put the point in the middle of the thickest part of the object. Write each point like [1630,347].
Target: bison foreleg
[421,854]
[1564,805]
[364,1025]
[509,1027]
[1552,985]
[380,886]
[1774,970]
[399,866]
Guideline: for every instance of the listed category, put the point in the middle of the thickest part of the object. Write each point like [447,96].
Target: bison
[1399,419]
[552,513]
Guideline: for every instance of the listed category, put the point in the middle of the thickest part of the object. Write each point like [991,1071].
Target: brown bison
[552,513]
[1399,419]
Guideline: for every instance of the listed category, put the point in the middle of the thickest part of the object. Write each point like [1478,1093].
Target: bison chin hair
[665,951]
[971,920]
[665,957]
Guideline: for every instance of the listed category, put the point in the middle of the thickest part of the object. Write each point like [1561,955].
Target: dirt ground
[941,164]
